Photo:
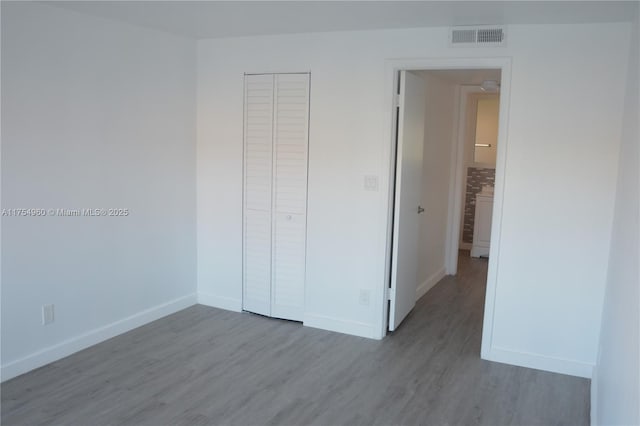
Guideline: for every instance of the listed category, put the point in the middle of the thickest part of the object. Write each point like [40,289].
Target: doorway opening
[446,178]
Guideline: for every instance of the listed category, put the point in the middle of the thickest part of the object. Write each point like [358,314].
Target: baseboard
[83,341]
[540,362]
[340,326]
[465,246]
[430,282]
[221,302]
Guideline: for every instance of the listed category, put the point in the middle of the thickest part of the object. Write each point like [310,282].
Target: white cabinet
[276,123]
[482,225]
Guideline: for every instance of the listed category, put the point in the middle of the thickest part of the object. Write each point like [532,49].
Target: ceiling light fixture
[490,86]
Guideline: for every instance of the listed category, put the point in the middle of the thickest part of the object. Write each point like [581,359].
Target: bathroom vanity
[482,223]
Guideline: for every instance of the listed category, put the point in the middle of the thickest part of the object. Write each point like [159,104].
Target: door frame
[392,68]
[459,164]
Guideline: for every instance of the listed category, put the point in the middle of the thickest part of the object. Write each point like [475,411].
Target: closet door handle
[420,209]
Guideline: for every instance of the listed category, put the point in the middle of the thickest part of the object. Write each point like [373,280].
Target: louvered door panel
[258,135]
[288,266]
[258,188]
[291,124]
[257,262]
[291,142]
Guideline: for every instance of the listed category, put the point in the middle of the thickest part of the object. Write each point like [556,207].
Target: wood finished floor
[205,366]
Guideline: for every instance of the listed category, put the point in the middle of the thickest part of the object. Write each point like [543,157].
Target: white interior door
[404,259]
[291,141]
[276,139]
[258,177]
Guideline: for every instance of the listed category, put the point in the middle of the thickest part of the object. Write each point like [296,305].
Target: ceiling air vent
[486,35]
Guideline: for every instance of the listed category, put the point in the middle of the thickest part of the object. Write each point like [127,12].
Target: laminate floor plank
[204,366]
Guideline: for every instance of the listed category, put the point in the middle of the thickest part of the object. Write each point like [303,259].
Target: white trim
[454,210]
[220,302]
[338,325]
[430,282]
[460,164]
[277,72]
[465,246]
[540,362]
[392,66]
[498,204]
[386,205]
[95,336]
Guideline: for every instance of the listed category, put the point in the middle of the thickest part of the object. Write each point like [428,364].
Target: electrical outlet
[47,314]
[364,297]
[371,183]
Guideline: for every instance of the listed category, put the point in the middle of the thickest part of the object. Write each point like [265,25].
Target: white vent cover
[485,35]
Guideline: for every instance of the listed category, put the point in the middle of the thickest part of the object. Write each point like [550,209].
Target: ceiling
[214,19]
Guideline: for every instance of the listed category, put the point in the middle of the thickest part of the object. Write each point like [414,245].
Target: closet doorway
[276,146]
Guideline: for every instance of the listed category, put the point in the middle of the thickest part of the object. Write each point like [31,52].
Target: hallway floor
[206,366]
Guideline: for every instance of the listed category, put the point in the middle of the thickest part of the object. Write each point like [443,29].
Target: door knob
[420,209]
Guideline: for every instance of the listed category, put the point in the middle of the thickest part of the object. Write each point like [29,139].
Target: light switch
[47,314]
[371,183]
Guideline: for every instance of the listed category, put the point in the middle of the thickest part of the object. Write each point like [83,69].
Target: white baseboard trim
[430,282]
[540,362]
[340,326]
[465,246]
[95,336]
[220,302]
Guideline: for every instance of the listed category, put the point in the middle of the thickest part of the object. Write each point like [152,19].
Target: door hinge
[396,99]
[389,293]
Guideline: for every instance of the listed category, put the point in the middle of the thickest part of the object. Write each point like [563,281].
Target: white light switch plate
[48,315]
[365,295]
[371,183]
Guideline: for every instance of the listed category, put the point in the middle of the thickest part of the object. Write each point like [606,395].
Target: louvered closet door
[291,130]
[258,178]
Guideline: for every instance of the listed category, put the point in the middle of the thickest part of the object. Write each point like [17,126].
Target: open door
[404,257]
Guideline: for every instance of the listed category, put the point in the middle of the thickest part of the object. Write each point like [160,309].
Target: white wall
[616,382]
[560,177]
[438,143]
[487,118]
[95,114]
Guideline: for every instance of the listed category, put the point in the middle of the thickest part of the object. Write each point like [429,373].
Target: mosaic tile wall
[476,178]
